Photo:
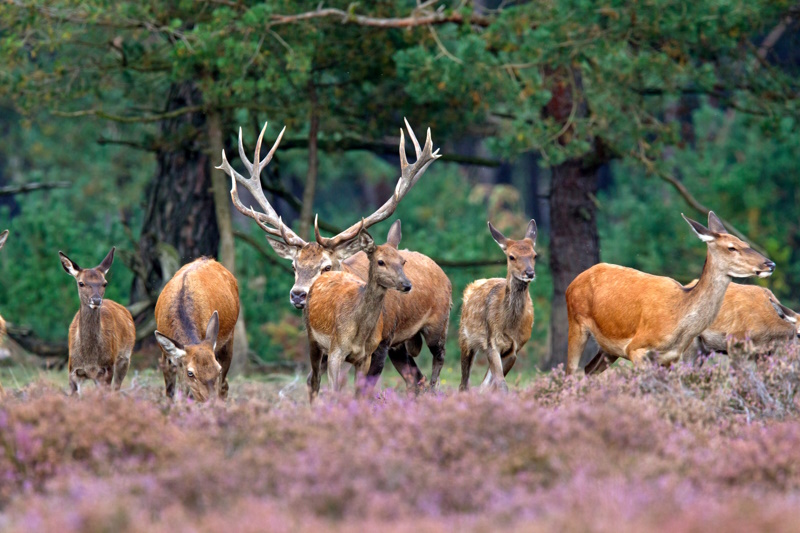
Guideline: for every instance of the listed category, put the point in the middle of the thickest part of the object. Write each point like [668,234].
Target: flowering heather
[690,448]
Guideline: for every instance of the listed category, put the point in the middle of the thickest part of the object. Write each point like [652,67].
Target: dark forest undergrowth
[692,448]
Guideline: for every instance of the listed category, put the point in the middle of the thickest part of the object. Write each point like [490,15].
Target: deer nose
[770,265]
[96,302]
[406,286]
[298,298]
[530,273]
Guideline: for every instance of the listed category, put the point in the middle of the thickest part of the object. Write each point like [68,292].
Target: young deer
[422,313]
[748,313]
[195,315]
[102,334]
[345,315]
[497,313]
[632,314]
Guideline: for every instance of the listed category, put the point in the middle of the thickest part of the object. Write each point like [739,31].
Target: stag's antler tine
[256,174]
[403,158]
[272,150]
[414,137]
[247,164]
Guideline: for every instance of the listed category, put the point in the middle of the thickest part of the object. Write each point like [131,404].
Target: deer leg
[508,363]
[335,358]
[495,375]
[406,366]
[376,365]
[74,384]
[363,385]
[467,358]
[108,376]
[600,363]
[121,368]
[437,351]
[225,357]
[577,338]
[317,360]
[170,375]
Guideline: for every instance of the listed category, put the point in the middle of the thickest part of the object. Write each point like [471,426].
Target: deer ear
[283,250]
[702,232]
[3,237]
[212,330]
[105,264]
[498,237]
[69,265]
[530,233]
[362,242]
[715,224]
[174,349]
[393,239]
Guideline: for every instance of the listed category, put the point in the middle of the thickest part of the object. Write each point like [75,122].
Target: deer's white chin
[764,274]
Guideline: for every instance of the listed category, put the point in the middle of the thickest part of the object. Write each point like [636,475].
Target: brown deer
[195,316]
[632,314]
[748,313]
[497,313]
[102,334]
[425,312]
[346,318]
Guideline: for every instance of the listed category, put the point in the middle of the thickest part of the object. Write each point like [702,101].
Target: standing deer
[425,312]
[748,313]
[102,334]
[632,314]
[195,316]
[346,316]
[497,313]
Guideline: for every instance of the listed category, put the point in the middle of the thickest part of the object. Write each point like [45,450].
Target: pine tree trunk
[179,223]
[310,190]
[574,243]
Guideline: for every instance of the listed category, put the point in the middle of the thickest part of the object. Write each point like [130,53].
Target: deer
[748,313]
[497,313]
[102,333]
[423,313]
[196,313]
[634,315]
[346,317]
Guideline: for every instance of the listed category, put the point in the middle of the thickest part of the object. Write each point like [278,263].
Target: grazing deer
[346,316]
[748,313]
[425,312]
[195,316]
[497,313]
[632,314]
[102,334]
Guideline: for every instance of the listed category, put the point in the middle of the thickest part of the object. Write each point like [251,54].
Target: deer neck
[516,298]
[704,300]
[90,325]
[369,311]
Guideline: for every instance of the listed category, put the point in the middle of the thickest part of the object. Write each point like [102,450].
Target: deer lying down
[497,313]
[632,314]
[749,313]
[102,334]
[196,314]
[345,315]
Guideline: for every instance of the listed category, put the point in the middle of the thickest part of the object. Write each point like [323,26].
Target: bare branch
[418,18]
[30,187]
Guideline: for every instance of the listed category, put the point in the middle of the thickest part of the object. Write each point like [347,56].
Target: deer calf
[195,315]
[632,314]
[345,314]
[497,313]
[749,313]
[102,334]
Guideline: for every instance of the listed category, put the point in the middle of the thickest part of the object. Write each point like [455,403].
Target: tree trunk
[313,163]
[179,222]
[574,244]
[227,251]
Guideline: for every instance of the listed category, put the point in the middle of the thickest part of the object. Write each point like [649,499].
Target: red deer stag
[632,314]
[497,313]
[346,317]
[424,312]
[102,334]
[195,315]
[748,313]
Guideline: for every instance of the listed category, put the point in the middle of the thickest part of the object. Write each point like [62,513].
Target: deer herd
[363,301]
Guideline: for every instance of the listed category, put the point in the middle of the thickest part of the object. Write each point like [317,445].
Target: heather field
[694,448]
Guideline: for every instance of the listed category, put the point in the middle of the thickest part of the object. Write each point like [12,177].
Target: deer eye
[327,268]
[732,249]
[512,257]
[380,262]
[81,284]
[190,374]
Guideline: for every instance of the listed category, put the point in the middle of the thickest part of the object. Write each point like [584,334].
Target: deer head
[520,255]
[91,281]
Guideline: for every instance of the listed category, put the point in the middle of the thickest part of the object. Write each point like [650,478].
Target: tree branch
[244,237]
[417,18]
[29,187]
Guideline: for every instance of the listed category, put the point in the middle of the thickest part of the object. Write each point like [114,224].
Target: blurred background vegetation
[602,120]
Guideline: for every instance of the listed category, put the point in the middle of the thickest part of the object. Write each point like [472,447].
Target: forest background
[601,120]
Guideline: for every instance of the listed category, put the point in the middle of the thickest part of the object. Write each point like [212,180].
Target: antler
[409,175]
[269,221]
